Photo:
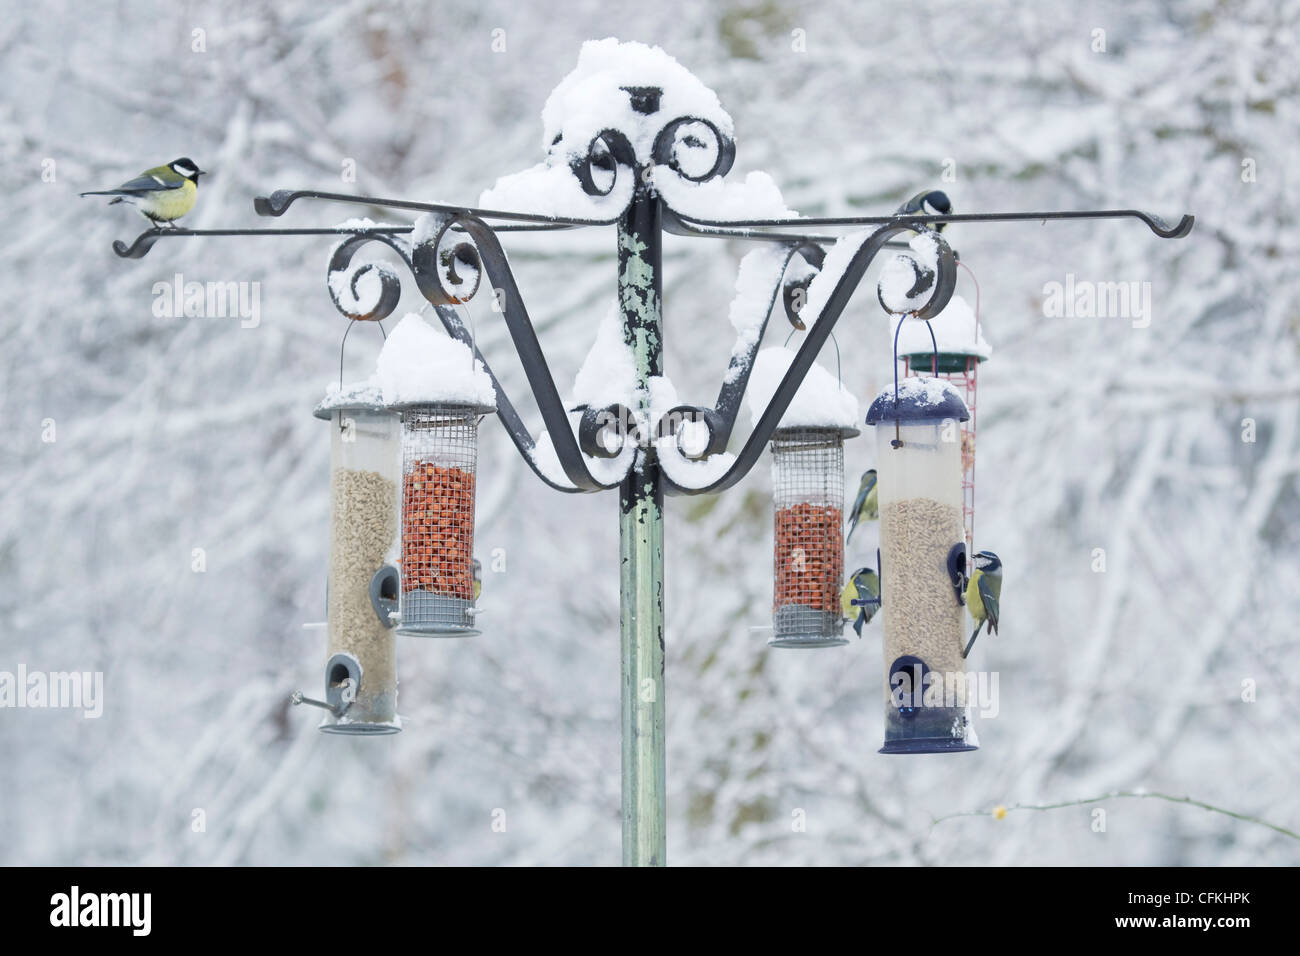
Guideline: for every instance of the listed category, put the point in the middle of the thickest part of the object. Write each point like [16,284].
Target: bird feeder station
[954,355]
[439,462]
[923,565]
[639,147]
[361,672]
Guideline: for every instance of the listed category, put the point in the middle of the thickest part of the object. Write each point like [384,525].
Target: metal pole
[641,549]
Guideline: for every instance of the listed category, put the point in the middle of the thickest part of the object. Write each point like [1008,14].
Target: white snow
[760,270]
[593,98]
[359,293]
[352,395]
[820,401]
[926,391]
[757,197]
[954,332]
[690,473]
[837,260]
[420,364]
[548,462]
[608,373]
[898,275]
[551,189]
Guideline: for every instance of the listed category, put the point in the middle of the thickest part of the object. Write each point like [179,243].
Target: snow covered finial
[627,114]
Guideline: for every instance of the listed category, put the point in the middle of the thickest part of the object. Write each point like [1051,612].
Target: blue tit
[162,194]
[860,598]
[478,579]
[866,506]
[932,202]
[983,594]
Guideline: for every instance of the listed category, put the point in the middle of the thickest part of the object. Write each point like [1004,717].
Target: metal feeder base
[360,728]
[428,614]
[795,625]
[927,730]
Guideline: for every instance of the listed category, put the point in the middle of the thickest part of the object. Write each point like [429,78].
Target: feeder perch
[919,474]
[808,563]
[361,672]
[439,461]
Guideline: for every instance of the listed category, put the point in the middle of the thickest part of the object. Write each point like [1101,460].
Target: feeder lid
[356,397]
[448,405]
[919,400]
[830,431]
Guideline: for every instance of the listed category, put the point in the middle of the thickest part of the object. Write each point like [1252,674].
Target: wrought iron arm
[1154,223]
[278,203]
[821,327]
[433,264]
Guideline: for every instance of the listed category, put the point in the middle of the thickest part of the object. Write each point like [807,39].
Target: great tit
[478,579]
[932,202]
[162,194]
[983,594]
[860,598]
[866,505]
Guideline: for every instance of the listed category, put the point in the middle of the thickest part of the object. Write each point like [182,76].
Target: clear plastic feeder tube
[922,565]
[364,472]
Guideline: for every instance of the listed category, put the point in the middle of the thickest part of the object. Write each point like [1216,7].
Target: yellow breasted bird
[866,505]
[860,597]
[983,594]
[162,194]
[478,579]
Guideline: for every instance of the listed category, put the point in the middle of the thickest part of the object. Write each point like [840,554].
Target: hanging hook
[343,344]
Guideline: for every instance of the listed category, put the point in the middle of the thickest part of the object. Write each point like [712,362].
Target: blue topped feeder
[923,565]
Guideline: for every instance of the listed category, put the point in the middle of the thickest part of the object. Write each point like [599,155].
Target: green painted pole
[641,550]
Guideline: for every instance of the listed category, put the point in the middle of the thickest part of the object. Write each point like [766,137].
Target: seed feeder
[439,460]
[361,599]
[923,565]
[954,355]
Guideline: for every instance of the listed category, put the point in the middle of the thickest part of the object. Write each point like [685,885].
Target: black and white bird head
[186,167]
[936,203]
[988,562]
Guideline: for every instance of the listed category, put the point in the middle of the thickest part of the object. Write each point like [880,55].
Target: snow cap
[593,97]
[820,402]
[919,400]
[954,332]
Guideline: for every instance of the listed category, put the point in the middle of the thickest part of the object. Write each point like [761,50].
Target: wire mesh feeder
[808,560]
[439,462]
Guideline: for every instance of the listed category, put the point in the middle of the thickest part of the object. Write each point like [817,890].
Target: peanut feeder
[439,463]
[808,558]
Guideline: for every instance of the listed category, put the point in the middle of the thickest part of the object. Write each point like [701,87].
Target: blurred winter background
[182,434]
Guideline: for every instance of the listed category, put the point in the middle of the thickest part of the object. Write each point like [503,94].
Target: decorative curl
[597,170]
[936,284]
[674,423]
[667,150]
[446,264]
[368,291]
[598,424]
